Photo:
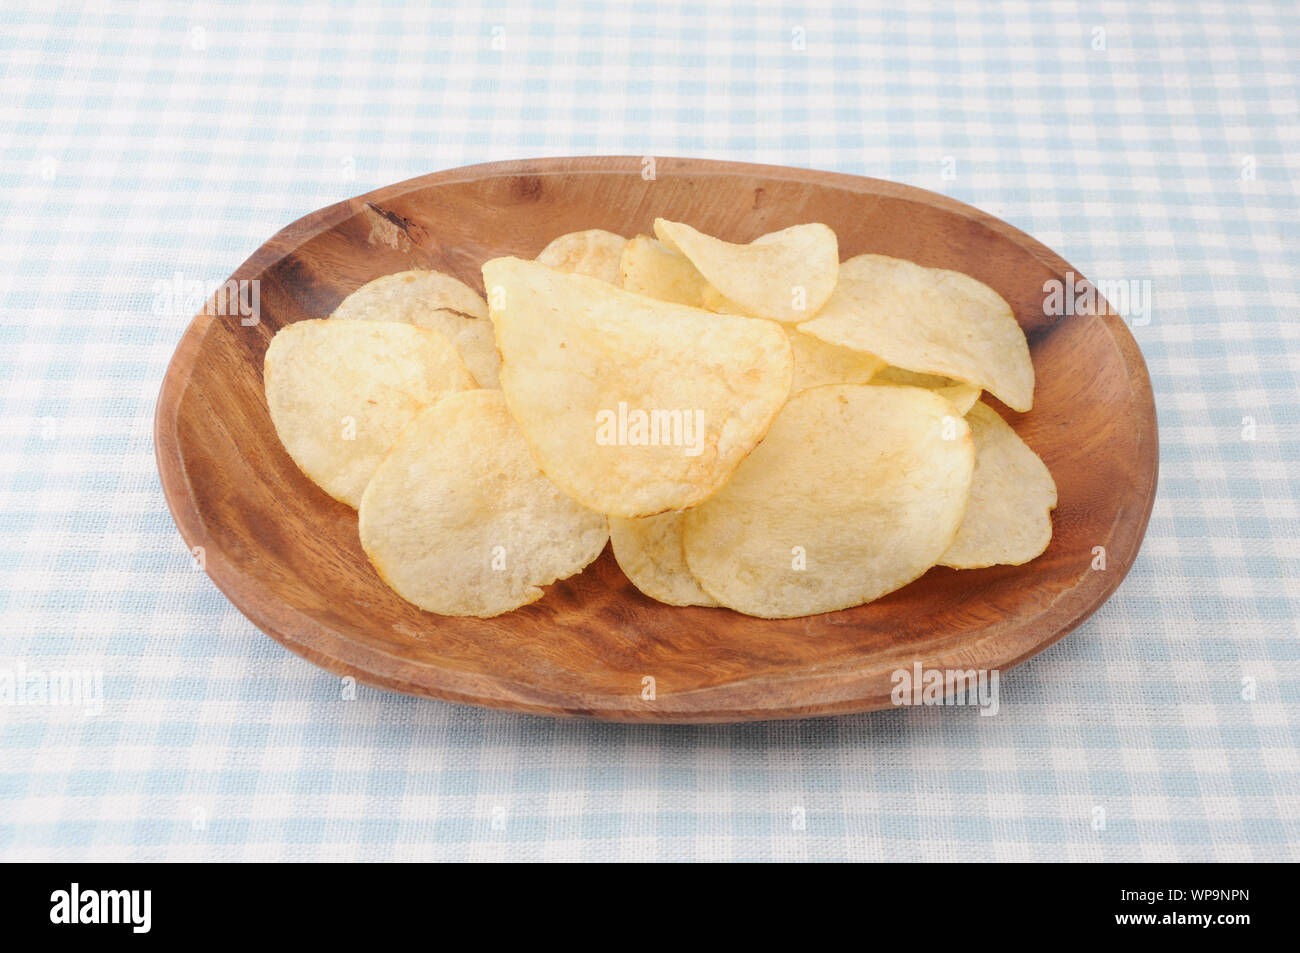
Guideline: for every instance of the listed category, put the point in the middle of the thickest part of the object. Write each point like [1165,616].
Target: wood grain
[288,556]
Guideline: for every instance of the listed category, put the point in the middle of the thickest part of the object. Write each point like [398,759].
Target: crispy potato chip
[430,299]
[715,300]
[649,551]
[651,268]
[1011,499]
[459,520]
[594,253]
[817,363]
[711,299]
[856,491]
[785,276]
[929,320]
[339,393]
[404,295]
[962,395]
[632,406]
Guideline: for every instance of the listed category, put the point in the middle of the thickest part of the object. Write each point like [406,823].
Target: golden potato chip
[929,320]
[459,520]
[785,276]
[856,491]
[339,393]
[651,268]
[962,395]
[404,295]
[649,551]
[1011,499]
[632,406]
[715,300]
[430,299]
[594,253]
[817,363]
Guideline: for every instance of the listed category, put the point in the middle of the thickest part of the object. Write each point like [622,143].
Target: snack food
[649,267]
[856,491]
[817,363]
[459,520]
[962,395]
[406,295]
[339,392]
[929,320]
[784,276]
[594,253]
[631,406]
[1009,519]
[649,551]
[430,299]
[757,427]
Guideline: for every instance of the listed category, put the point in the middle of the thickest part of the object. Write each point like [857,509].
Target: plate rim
[781,697]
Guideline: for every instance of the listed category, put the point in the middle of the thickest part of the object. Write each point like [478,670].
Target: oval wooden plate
[287,555]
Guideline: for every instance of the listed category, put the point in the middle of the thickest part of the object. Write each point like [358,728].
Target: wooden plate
[288,557]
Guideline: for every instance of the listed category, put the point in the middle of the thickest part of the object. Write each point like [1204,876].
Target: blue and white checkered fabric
[1148,141]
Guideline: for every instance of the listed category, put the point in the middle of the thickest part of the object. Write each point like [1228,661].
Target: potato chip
[962,395]
[714,300]
[929,320]
[459,520]
[649,551]
[594,253]
[651,268]
[405,294]
[856,491]
[1011,499]
[339,393]
[632,406]
[430,299]
[817,363]
[785,276]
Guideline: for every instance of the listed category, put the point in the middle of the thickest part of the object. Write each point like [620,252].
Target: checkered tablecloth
[1145,141]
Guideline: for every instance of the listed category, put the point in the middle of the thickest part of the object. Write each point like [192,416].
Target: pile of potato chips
[761,426]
